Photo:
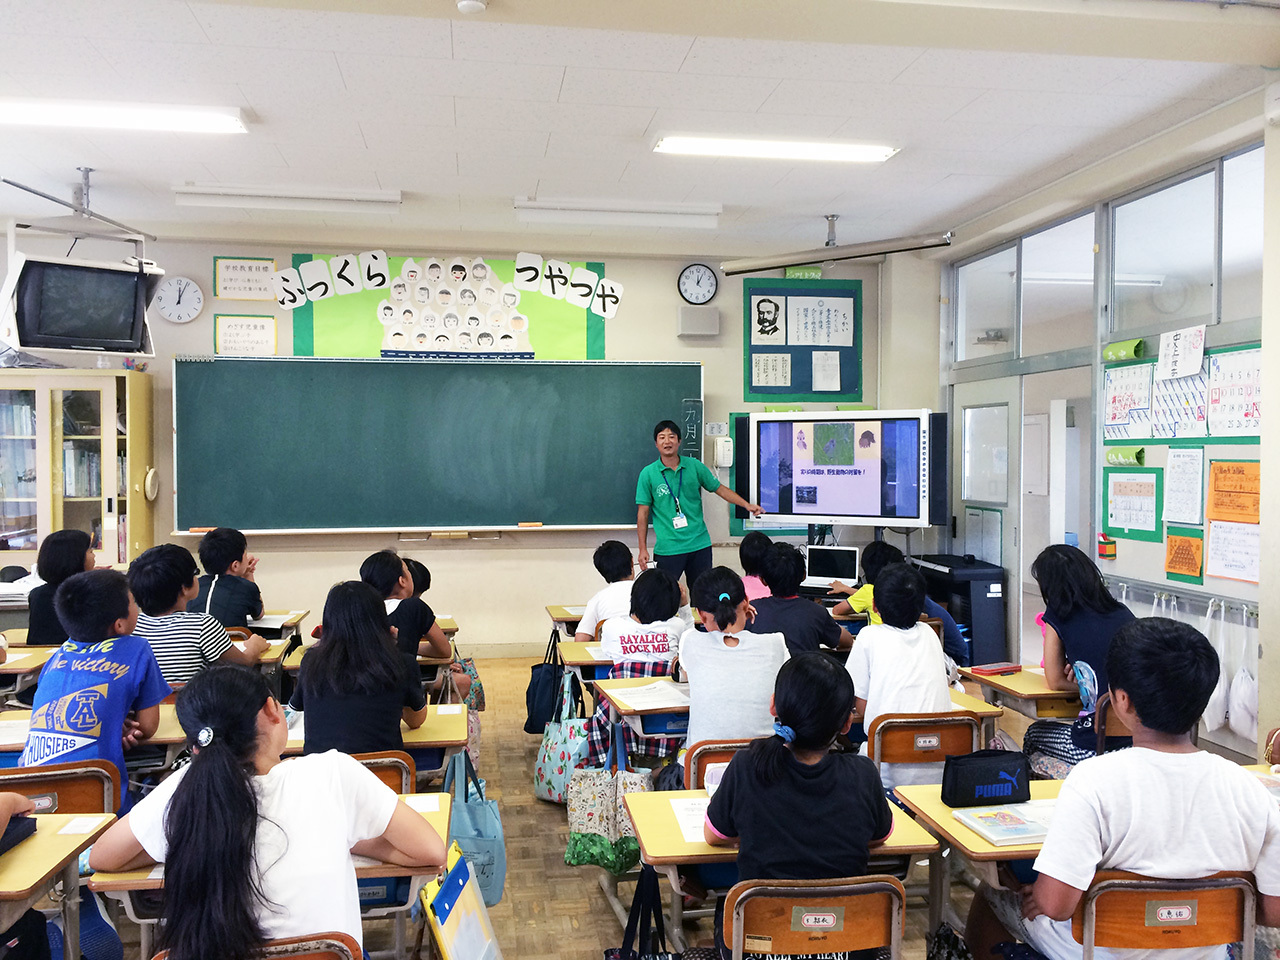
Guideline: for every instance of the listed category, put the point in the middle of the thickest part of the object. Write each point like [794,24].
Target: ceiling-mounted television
[51,303]
[862,467]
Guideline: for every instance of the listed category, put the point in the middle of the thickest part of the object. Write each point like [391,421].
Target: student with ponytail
[255,849]
[731,670]
[794,770]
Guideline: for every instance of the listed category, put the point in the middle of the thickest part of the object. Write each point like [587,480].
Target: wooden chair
[923,737]
[16,636]
[395,768]
[316,946]
[704,753]
[239,634]
[933,623]
[173,693]
[852,913]
[88,786]
[1107,724]
[599,624]
[1124,910]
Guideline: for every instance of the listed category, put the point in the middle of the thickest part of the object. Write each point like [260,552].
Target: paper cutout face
[496,318]
[458,271]
[479,270]
[519,323]
[488,295]
[434,271]
[450,321]
[464,339]
[429,320]
[473,321]
[506,342]
[467,297]
[422,293]
[386,312]
[444,296]
[420,339]
[510,296]
[407,316]
[485,339]
[410,271]
[399,289]
[443,339]
[398,340]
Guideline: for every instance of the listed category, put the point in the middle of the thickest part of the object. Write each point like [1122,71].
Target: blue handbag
[474,824]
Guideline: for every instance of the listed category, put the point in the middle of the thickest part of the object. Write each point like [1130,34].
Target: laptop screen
[834,563]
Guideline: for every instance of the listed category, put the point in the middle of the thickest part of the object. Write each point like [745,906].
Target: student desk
[565,618]
[445,726]
[22,667]
[293,662]
[1028,692]
[581,661]
[925,801]
[37,864]
[290,626]
[119,886]
[649,722]
[662,846]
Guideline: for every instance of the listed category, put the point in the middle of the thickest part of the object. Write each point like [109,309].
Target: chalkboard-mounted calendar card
[802,339]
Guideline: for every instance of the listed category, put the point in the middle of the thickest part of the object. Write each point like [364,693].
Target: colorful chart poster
[1235,393]
[1179,407]
[1235,489]
[1134,502]
[1184,554]
[1127,402]
[1184,485]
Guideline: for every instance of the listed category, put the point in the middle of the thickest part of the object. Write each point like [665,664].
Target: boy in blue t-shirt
[100,676]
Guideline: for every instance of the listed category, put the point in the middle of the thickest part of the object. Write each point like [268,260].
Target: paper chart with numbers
[1127,402]
[1180,407]
[1235,394]
[1134,503]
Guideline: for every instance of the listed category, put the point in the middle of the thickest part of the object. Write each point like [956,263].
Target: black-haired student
[1161,808]
[417,633]
[898,665]
[162,580]
[255,849]
[63,553]
[753,549]
[612,560]
[795,770]
[660,615]
[355,686]
[806,625]
[227,591]
[100,692]
[669,491]
[420,575]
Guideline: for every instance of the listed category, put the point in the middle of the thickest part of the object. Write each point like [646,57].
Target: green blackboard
[302,444]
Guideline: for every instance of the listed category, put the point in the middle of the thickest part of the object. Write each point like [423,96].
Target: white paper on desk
[238,644]
[690,812]
[597,653]
[272,621]
[359,861]
[15,657]
[826,370]
[81,825]
[157,872]
[576,611]
[1184,485]
[449,709]
[13,732]
[652,696]
[424,802]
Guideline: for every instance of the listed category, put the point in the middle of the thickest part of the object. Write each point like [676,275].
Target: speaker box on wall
[698,321]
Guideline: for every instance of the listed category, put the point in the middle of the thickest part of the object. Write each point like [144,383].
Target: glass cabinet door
[79,471]
[18,466]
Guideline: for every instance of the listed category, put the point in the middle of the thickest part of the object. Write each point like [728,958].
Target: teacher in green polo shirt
[670,489]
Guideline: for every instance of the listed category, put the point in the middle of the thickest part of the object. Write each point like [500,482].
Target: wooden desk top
[23,661]
[15,636]
[14,723]
[293,619]
[30,865]
[293,662]
[926,801]
[576,654]
[606,687]
[1027,684]
[662,842]
[979,706]
[560,613]
[438,730]
[143,878]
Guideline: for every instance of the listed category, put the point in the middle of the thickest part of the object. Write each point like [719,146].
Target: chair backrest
[15,635]
[239,634]
[599,624]
[923,737]
[705,752]
[933,623]
[395,768]
[12,572]
[315,946]
[804,917]
[173,693]
[1125,910]
[87,786]
[1107,723]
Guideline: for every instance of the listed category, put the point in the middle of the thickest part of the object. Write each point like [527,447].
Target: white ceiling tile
[489,41]
[70,59]
[591,145]
[446,139]
[624,190]
[1002,70]
[865,102]
[601,120]
[302,29]
[1159,80]
[641,88]
[1067,109]
[153,63]
[139,150]
[795,124]
[803,61]
[473,164]
[100,20]
[450,78]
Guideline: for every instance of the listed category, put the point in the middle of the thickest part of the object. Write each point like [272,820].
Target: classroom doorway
[1056,485]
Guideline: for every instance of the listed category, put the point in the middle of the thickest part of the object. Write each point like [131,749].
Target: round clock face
[697,283]
[179,300]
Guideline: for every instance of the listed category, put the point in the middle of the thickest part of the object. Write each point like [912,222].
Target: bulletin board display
[802,340]
[1133,505]
[1221,403]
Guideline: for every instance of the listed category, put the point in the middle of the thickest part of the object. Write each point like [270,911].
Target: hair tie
[780,729]
[205,736]
[724,596]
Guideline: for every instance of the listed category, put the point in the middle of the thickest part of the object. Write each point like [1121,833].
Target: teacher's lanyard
[679,486]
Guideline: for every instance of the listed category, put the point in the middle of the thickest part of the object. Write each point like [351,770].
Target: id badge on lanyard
[679,521]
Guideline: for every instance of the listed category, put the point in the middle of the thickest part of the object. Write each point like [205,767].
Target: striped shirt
[184,643]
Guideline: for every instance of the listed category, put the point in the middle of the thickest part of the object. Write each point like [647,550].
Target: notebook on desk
[827,564]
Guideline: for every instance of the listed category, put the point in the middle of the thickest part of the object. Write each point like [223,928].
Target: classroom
[1101,171]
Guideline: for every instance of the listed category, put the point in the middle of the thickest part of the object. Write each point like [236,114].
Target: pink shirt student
[755,588]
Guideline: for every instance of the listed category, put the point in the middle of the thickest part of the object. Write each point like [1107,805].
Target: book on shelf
[18,420]
[122,537]
[1009,824]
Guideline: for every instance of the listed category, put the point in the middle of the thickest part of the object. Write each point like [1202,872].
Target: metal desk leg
[675,915]
[609,886]
[400,931]
[71,910]
[145,931]
[939,888]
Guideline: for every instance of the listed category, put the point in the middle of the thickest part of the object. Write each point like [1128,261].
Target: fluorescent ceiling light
[103,115]
[775,149]
[286,198]
[693,216]
[1086,279]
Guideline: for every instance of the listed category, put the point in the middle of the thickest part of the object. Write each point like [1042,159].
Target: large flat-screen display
[80,305]
[865,467]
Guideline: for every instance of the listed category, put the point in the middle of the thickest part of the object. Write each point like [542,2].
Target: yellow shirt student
[862,601]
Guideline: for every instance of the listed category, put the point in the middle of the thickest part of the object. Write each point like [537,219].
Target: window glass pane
[1057,288]
[1164,257]
[985,295]
[1242,236]
[985,441]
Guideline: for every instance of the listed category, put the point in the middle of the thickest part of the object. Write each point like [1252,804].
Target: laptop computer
[826,564]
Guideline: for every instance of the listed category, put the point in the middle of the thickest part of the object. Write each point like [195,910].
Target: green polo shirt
[660,487]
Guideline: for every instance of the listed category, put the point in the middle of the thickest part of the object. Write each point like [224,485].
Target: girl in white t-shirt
[247,840]
[660,615]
